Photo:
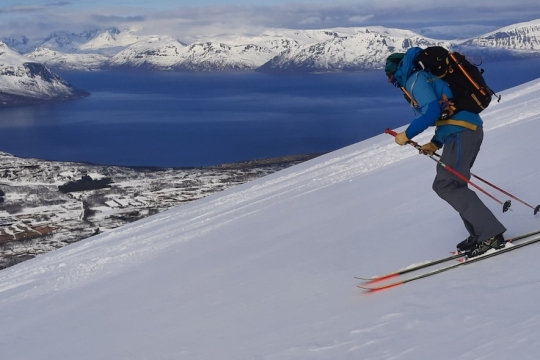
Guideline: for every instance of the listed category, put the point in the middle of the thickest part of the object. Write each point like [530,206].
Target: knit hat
[392,63]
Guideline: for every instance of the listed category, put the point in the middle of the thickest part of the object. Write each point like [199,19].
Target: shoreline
[279,160]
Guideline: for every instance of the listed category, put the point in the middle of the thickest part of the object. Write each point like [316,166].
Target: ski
[509,247]
[429,263]
[411,268]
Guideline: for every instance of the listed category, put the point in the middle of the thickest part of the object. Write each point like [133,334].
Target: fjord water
[199,119]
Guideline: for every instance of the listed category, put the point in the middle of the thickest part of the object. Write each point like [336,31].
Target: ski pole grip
[410,142]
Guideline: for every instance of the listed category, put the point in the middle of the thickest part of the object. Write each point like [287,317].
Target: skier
[460,136]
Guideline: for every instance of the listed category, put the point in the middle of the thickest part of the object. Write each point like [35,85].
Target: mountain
[157,53]
[311,50]
[111,41]
[523,37]
[264,270]
[68,61]
[23,81]
[348,49]
[276,50]
[19,43]
[167,53]
[65,41]
[98,40]
[296,50]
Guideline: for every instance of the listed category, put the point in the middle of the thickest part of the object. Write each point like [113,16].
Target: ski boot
[468,244]
[497,242]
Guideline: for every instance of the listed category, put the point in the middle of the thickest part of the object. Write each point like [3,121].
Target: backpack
[470,90]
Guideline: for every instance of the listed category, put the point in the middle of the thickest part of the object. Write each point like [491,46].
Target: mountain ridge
[277,50]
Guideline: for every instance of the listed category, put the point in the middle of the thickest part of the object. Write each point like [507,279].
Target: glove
[428,149]
[401,138]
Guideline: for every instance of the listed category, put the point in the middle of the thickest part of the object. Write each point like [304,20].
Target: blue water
[179,119]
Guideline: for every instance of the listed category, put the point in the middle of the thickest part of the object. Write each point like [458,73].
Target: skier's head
[392,63]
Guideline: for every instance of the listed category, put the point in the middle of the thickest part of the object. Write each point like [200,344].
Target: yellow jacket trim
[461,123]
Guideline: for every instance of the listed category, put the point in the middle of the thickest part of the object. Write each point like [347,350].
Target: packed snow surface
[265,270]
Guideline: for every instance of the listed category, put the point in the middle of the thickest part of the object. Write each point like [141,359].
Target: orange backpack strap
[409,96]
[478,87]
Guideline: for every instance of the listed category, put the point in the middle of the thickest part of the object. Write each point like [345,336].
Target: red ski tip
[380,288]
[381,279]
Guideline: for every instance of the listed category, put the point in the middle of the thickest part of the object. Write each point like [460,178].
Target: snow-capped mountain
[523,37]
[349,49]
[23,81]
[167,53]
[219,56]
[65,61]
[20,43]
[156,53]
[283,50]
[312,50]
[196,57]
[102,41]
[67,42]
[112,41]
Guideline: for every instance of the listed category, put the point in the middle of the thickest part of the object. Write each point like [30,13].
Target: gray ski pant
[459,152]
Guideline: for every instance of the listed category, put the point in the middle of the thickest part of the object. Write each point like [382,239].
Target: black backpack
[470,90]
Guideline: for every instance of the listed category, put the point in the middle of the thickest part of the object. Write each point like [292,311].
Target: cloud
[59,3]
[449,32]
[360,19]
[25,9]
[20,9]
[115,19]
[192,23]
[311,20]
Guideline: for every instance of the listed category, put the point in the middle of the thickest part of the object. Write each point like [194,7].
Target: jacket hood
[407,65]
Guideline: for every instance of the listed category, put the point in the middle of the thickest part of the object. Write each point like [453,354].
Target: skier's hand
[401,138]
[428,149]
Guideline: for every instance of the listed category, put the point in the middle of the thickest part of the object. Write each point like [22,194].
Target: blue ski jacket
[427,90]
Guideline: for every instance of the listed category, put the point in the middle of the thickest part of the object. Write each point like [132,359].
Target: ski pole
[506,205]
[536,209]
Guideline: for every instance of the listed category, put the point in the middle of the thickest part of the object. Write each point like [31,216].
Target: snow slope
[265,270]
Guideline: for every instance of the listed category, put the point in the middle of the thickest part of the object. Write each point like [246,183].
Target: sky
[189,20]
